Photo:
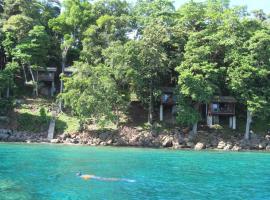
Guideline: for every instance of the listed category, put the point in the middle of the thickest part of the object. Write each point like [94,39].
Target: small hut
[69,71]
[167,101]
[221,106]
[45,78]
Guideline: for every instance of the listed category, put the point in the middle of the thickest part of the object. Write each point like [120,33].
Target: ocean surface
[48,172]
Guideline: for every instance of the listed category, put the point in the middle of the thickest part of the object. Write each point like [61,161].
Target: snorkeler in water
[88,176]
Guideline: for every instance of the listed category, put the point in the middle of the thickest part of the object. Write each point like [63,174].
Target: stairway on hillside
[52,126]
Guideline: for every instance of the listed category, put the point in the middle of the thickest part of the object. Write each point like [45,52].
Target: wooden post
[161,112]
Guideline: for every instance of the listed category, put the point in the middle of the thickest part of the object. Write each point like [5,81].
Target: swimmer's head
[79,173]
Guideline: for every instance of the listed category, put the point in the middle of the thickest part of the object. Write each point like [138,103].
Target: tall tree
[250,76]
[152,67]
[202,74]
[92,94]
[69,26]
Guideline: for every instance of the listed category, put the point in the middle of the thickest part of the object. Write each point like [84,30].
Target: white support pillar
[234,122]
[230,122]
[209,120]
[52,89]
[161,112]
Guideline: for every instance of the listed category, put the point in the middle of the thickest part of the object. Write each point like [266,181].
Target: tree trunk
[249,120]
[63,65]
[195,125]
[117,117]
[150,109]
[195,128]
[34,82]
[24,74]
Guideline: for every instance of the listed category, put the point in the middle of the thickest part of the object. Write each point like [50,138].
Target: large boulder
[103,136]
[214,142]
[228,146]
[69,141]
[64,136]
[254,143]
[190,145]
[167,141]
[55,141]
[119,141]
[4,136]
[221,145]
[267,137]
[262,145]
[236,148]
[244,144]
[199,146]
[109,142]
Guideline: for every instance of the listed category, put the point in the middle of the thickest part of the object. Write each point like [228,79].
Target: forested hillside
[120,52]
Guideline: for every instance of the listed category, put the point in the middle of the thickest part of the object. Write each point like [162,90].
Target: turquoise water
[39,172]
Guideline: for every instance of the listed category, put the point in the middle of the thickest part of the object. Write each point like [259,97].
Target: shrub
[6,105]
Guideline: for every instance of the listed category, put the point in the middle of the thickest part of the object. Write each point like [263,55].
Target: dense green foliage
[119,49]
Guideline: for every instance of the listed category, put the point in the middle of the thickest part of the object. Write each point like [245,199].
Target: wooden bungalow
[46,80]
[167,101]
[221,106]
[69,71]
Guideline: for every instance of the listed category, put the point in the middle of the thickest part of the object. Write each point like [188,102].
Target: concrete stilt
[209,120]
[234,122]
[161,113]
[230,121]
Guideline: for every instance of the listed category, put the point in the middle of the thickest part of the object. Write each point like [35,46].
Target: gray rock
[103,136]
[236,148]
[167,141]
[109,142]
[64,136]
[135,140]
[54,141]
[199,146]
[254,144]
[69,141]
[214,142]
[262,145]
[228,147]
[244,144]
[267,137]
[221,145]
[190,145]
[4,136]
[120,142]
[267,148]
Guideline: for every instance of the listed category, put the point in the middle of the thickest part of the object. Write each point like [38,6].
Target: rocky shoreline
[175,139]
